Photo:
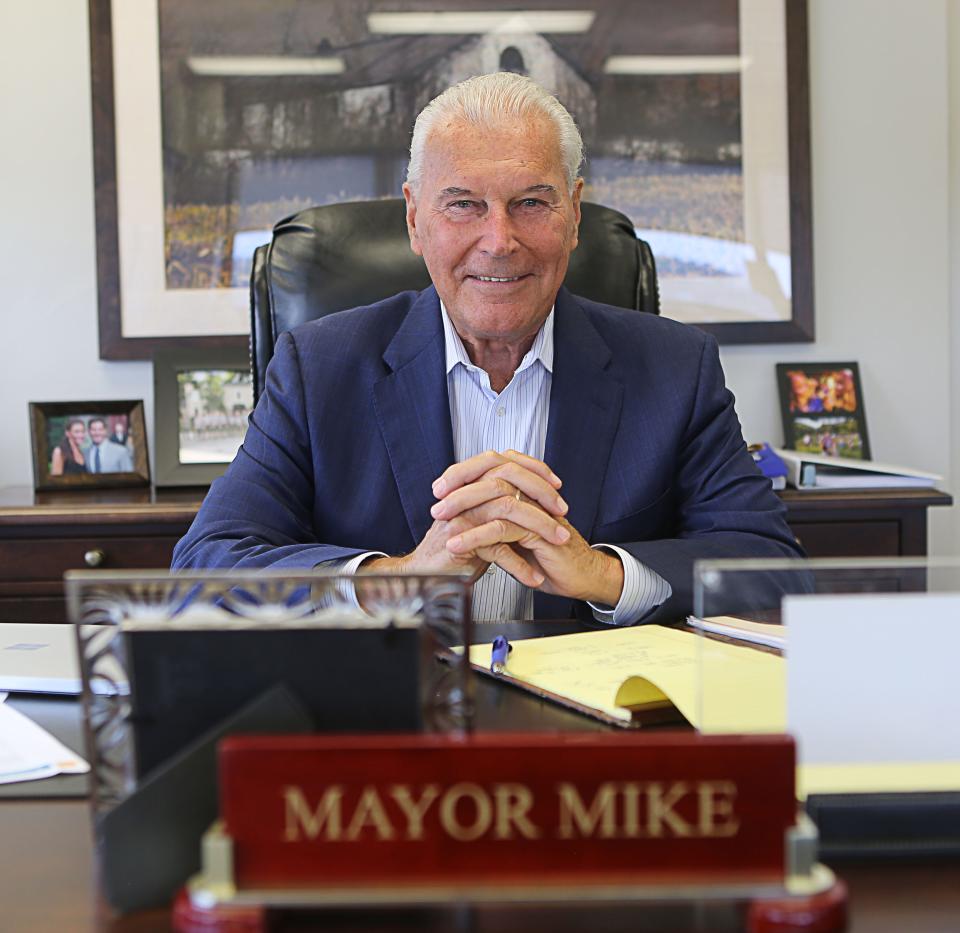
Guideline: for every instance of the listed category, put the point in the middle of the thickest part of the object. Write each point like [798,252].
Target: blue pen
[498,655]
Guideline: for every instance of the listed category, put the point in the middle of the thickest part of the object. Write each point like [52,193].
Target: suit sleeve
[724,506]
[260,513]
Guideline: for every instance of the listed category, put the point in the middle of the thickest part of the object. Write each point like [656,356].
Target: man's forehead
[472,166]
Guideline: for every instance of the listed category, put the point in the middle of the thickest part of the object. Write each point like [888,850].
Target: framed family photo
[822,409]
[79,445]
[213,120]
[202,400]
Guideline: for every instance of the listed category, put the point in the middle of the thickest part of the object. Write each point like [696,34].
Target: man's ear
[577,192]
[411,200]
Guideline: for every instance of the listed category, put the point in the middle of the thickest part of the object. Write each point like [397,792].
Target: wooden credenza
[42,535]
[862,523]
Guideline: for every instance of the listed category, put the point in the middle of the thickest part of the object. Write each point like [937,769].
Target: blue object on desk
[771,465]
[498,655]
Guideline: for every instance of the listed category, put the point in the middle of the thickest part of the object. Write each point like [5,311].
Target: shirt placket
[503,432]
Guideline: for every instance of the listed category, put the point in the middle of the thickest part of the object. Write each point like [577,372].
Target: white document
[42,658]
[814,471]
[872,677]
[28,752]
[756,633]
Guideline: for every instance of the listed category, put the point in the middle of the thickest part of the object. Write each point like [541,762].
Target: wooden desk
[48,883]
[48,880]
[43,535]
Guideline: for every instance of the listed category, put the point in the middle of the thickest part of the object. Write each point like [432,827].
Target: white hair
[486,101]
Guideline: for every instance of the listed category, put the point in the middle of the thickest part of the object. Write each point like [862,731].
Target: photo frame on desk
[210,653]
[89,444]
[202,400]
[821,405]
[696,124]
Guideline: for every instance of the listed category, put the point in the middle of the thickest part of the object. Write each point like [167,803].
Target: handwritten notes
[607,670]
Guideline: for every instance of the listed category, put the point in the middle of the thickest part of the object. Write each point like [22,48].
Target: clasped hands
[506,509]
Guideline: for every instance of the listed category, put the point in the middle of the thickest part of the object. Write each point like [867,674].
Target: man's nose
[498,233]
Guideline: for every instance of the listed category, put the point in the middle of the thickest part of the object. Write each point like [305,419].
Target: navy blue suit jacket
[354,426]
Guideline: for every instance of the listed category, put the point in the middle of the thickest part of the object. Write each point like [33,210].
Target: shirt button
[501,412]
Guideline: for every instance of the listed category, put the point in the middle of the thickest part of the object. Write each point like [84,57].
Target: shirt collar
[456,352]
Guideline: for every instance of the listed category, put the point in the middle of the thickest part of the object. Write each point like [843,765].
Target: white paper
[872,677]
[757,633]
[28,752]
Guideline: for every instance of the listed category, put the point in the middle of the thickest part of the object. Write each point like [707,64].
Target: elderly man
[567,454]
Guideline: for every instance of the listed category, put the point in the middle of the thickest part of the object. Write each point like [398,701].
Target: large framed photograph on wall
[213,121]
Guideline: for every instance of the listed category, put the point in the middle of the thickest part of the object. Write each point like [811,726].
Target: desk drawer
[849,539]
[28,560]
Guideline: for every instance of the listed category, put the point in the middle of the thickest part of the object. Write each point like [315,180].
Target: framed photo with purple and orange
[822,409]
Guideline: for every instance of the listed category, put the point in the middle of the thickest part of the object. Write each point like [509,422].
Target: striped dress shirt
[516,418]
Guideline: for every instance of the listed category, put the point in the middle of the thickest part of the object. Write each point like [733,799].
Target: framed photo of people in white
[78,445]
[203,399]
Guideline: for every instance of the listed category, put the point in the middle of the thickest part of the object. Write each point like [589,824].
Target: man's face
[98,432]
[495,224]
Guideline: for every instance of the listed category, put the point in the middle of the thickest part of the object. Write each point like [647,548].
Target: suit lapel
[413,410]
[585,403]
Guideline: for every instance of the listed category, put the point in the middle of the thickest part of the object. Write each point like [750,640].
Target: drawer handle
[94,557]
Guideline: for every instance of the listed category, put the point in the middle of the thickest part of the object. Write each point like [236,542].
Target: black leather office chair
[327,259]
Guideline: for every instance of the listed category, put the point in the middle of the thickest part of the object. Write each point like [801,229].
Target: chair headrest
[341,256]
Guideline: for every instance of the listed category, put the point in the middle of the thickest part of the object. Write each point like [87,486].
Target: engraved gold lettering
[513,803]
[572,811]
[660,810]
[716,808]
[631,810]
[300,818]
[483,812]
[414,810]
[369,812]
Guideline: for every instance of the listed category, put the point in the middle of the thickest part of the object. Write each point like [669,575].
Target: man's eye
[462,205]
[531,202]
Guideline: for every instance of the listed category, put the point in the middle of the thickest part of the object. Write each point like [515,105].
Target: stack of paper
[28,752]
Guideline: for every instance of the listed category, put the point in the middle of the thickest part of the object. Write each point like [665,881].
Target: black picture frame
[171,468]
[52,418]
[822,409]
[116,343]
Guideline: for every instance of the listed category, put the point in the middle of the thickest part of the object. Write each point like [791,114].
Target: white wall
[886,216]
[879,128]
[47,247]
[951,544]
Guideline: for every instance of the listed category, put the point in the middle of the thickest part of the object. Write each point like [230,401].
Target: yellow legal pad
[878,777]
[716,686]
[615,671]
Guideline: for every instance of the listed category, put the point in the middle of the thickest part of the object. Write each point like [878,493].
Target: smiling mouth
[497,278]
